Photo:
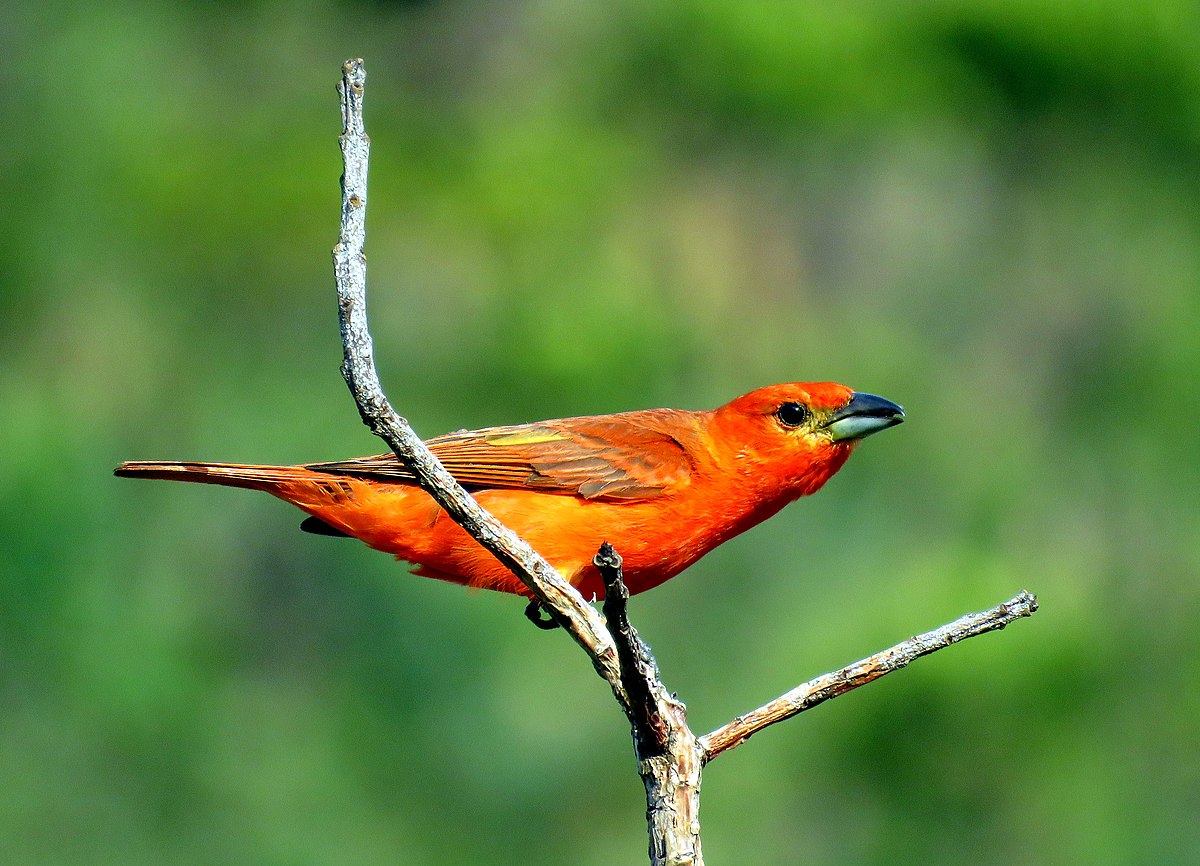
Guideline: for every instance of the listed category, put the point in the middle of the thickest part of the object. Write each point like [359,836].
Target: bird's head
[794,437]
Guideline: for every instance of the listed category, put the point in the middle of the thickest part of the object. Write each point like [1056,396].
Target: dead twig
[829,686]
[670,756]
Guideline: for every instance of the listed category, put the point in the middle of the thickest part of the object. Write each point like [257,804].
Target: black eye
[792,414]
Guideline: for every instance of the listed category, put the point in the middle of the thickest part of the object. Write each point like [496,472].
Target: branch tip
[829,686]
[354,72]
[607,558]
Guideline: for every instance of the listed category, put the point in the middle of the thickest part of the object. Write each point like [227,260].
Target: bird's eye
[792,414]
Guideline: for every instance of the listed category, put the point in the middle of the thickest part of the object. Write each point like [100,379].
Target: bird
[663,486]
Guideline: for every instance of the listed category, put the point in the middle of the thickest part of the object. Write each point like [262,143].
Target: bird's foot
[534,611]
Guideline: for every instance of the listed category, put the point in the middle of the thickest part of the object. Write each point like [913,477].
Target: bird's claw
[534,611]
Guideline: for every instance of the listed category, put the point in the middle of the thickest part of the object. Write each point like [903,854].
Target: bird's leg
[534,611]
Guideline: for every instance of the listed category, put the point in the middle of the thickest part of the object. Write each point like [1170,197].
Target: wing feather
[631,455]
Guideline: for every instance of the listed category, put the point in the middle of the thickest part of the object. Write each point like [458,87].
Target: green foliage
[986,211]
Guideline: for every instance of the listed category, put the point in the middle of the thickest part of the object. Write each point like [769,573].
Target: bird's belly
[656,538]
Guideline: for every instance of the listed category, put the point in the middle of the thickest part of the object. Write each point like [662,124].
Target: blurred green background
[987,211]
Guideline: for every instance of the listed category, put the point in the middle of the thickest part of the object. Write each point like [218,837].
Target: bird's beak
[863,415]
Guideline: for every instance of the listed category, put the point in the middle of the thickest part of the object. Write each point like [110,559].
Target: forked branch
[670,756]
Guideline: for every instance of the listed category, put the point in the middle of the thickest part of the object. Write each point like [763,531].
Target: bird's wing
[632,455]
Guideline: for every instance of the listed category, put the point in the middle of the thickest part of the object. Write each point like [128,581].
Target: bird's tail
[267,478]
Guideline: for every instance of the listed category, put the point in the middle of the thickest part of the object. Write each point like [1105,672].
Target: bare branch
[639,670]
[824,688]
[670,757]
[358,368]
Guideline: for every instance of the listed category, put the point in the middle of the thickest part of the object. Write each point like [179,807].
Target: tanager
[664,486]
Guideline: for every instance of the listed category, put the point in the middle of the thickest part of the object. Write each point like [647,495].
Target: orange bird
[665,486]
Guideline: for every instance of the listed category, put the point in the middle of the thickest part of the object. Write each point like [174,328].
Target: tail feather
[225,474]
